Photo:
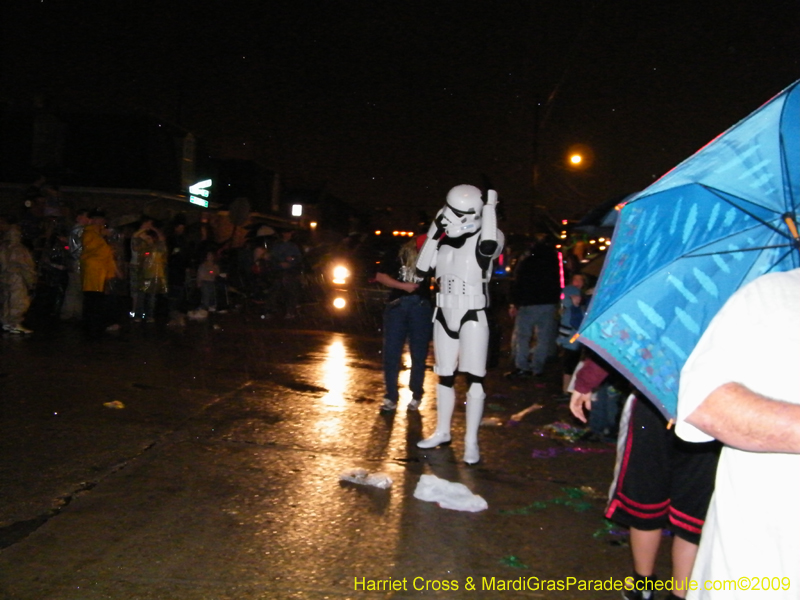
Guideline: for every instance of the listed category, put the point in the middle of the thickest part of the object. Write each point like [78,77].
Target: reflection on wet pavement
[220,476]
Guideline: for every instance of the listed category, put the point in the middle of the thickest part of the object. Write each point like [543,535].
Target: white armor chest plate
[459,276]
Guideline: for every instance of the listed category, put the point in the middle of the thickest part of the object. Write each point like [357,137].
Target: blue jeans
[145,305]
[542,319]
[604,416]
[407,318]
[208,294]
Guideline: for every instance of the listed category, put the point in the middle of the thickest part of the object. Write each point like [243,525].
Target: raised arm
[489,233]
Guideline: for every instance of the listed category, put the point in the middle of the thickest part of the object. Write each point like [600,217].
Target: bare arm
[391,282]
[579,403]
[587,378]
[741,418]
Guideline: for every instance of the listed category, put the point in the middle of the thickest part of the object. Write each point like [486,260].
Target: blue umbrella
[681,247]
[602,219]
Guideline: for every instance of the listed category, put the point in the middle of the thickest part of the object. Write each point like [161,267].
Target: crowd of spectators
[59,266]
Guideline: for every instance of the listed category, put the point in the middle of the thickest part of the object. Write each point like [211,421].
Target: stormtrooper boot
[475,398]
[445,402]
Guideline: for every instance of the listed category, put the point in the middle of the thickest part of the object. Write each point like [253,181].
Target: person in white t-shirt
[741,385]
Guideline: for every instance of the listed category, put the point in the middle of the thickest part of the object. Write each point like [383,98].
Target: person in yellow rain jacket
[97,267]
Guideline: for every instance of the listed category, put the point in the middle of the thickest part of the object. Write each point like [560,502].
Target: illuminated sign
[198,191]
[200,188]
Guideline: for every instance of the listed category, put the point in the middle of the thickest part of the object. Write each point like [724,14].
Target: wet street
[205,463]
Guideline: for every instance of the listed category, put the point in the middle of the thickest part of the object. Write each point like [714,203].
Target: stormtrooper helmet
[461,214]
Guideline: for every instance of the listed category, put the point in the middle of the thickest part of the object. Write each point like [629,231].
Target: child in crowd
[573,309]
[207,274]
[660,481]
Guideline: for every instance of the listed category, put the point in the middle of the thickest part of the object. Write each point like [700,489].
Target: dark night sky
[391,103]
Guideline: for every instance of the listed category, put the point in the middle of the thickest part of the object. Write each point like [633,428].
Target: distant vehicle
[345,278]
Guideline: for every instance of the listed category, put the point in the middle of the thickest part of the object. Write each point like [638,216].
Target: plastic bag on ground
[454,496]
[364,477]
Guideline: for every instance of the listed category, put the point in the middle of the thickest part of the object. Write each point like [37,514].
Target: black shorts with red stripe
[660,481]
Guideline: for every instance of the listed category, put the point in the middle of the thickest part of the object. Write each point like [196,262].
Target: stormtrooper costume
[463,241]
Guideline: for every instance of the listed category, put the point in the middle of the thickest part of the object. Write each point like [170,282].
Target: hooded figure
[17,278]
[97,267]
[97,258]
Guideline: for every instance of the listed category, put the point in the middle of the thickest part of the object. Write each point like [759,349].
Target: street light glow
[579,157]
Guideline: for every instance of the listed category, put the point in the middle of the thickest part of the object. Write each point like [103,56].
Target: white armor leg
[446,352]
[474,350]
[473,346]
[475,398]
[445,403]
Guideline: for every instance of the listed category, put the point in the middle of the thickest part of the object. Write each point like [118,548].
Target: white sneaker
[388,405]
[414,404]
